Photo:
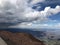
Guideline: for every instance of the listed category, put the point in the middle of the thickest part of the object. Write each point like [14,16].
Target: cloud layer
[20,11]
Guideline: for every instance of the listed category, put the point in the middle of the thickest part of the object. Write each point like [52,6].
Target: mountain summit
[19,38]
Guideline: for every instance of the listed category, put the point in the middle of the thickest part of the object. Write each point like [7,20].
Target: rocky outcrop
[19,38]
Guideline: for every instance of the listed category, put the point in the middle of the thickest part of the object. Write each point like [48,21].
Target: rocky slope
[19,38]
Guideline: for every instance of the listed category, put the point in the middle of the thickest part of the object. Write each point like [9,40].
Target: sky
[35,14]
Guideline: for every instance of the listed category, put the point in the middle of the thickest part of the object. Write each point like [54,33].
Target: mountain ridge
[19,38]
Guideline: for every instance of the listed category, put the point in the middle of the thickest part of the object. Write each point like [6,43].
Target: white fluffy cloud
[19,11]
[42,15]
[30,25]
[36,1]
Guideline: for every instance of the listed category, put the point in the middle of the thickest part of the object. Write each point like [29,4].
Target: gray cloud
[13,13]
